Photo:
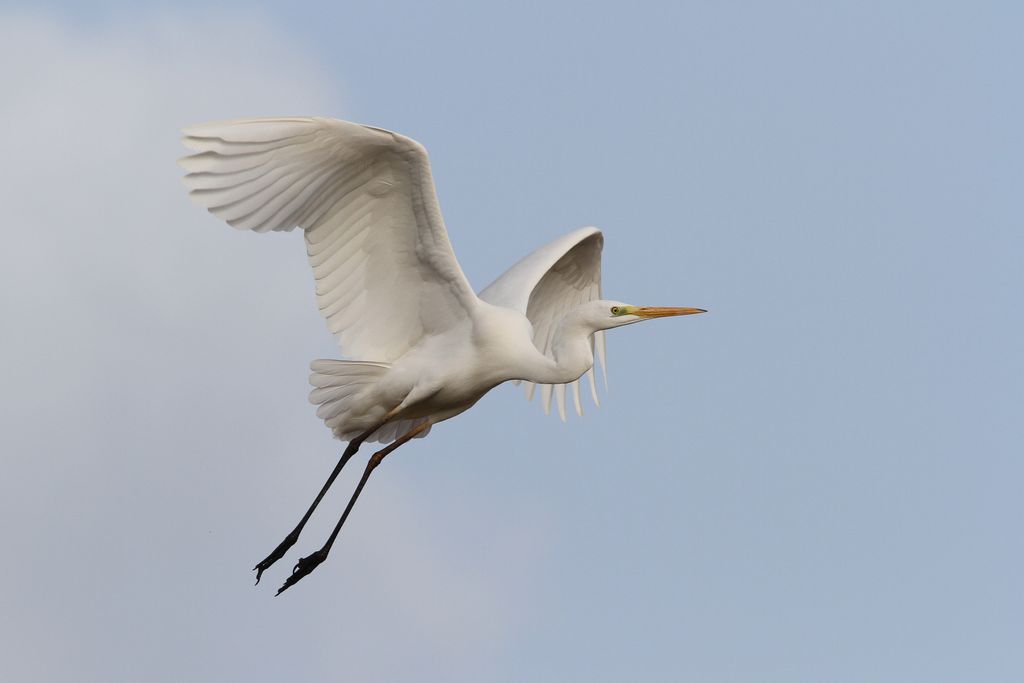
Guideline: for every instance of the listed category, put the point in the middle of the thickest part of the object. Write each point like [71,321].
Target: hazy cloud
[147,435]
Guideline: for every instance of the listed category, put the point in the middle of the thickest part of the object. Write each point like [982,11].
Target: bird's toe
[276,555]
[303,567]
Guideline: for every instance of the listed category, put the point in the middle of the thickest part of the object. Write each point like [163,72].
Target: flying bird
[426,347]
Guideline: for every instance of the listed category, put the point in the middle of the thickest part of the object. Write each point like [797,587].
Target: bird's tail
[343,390]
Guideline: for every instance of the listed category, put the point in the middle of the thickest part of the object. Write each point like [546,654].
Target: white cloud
[154,371]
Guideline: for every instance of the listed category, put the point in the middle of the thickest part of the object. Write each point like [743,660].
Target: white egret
[392,292]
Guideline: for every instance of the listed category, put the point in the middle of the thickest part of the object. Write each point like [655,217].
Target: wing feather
[385,271]
[547,284]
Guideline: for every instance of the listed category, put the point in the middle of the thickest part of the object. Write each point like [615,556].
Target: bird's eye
[615,310]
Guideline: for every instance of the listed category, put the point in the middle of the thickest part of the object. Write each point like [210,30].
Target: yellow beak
[662,312]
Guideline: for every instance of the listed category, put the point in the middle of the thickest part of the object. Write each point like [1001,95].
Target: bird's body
[443,375]
[449,372]
[391,289]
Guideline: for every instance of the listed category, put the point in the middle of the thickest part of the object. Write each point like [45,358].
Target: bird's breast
[453,370]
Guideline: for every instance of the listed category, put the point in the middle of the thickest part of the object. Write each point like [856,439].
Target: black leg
[291,538]
[307,564]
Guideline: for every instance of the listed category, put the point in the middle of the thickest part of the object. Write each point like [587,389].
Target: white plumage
[426,347]
[365,199]
[545,285]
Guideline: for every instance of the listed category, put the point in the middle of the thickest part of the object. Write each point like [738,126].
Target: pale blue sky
[820,480]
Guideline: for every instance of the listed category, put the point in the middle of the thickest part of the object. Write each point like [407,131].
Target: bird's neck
[572,351]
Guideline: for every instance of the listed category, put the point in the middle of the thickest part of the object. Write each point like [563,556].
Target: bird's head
[604,315]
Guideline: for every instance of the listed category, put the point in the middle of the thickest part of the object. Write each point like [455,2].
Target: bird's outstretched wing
[385,270]
[547,284]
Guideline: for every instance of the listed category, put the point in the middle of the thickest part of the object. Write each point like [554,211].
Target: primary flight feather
[425,346]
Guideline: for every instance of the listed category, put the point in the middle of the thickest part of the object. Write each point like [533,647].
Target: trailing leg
[291,538]
[307,564]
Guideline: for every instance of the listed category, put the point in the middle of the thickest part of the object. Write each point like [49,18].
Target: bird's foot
[304,566]
[278,553]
